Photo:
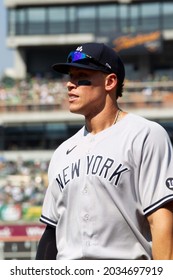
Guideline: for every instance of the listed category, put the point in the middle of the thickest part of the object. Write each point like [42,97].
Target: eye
[82,76]
[79,75]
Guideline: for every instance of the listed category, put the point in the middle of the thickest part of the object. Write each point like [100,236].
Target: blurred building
[43,32]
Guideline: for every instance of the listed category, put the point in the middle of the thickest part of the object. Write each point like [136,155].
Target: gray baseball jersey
[102,187]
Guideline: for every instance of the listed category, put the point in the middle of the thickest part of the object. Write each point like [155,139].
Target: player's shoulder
[138,119]
[142,123]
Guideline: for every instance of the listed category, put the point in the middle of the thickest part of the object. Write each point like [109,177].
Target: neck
[102,121]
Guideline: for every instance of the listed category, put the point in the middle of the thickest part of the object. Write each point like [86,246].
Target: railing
[19,248]
[153,84]
[30,107]
[19,241]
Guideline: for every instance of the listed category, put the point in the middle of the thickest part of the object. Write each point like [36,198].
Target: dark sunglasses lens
[74,56]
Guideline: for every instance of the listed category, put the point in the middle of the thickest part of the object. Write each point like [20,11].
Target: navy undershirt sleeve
[46,249]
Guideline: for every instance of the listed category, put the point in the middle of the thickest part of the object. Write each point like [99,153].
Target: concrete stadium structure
[43,31]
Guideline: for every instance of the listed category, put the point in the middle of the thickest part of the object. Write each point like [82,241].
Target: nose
[71,85]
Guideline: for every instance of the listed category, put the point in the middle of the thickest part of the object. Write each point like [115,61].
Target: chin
[76,111]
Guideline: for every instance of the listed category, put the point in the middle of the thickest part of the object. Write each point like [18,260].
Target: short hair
[119,89]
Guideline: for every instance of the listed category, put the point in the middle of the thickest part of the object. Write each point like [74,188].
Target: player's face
[86,91]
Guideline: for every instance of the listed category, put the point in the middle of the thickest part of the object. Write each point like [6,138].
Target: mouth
[72,97]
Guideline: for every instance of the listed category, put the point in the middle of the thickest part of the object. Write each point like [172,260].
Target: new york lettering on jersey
[106,168]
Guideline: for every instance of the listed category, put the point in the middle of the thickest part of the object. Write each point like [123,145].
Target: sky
[6,55]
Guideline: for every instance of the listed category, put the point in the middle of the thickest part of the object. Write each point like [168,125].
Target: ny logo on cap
[79,49]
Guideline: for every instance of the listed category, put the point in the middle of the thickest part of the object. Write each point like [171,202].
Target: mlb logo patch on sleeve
[169,183]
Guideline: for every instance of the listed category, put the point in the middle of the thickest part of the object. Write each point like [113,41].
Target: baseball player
[110,193]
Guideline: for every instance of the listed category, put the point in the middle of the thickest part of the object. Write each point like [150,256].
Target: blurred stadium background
[34,117]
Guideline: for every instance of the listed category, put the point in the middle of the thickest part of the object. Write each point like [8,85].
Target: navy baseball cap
[93,56]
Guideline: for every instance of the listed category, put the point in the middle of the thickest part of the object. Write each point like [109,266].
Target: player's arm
[47,245]
[161,224]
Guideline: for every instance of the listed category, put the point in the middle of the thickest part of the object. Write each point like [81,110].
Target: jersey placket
[87,206]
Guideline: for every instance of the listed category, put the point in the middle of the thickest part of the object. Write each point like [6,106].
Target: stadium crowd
[44,93]
[32,91]
[22,183]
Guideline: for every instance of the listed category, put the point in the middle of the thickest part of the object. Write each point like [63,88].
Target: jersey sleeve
[49,214]
[156,170]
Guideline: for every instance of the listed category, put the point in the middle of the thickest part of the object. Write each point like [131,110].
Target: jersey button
[85,190]
[86,217]
[87,243]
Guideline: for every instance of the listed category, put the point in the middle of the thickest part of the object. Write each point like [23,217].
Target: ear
[110,82]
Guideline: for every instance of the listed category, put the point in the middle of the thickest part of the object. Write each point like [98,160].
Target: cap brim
[64,67]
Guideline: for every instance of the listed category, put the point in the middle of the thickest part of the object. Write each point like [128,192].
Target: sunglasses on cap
[74,56]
